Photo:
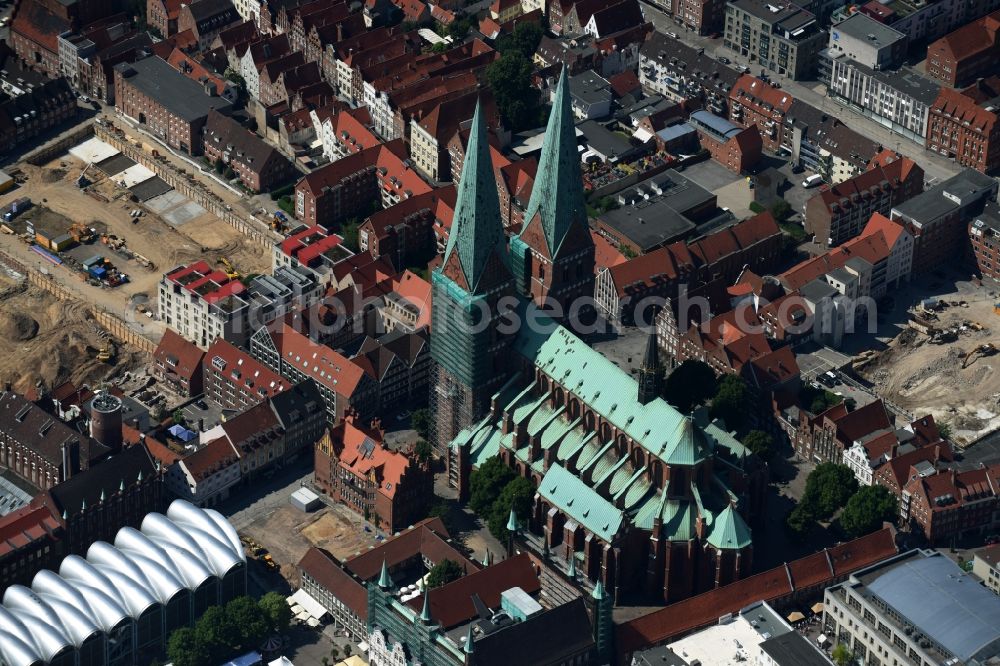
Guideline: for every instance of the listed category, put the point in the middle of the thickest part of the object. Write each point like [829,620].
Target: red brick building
[824,437]
[950,505]
[840,212]
[162,15]
[784,587]
[753,102]
[29,541]
[737,149]
[206,18]
[403,235]
[984,239]
[235,380]
[178,362]
[353,185]
[259,166]
[963,125]
[970,52]
[171,106]
[701,16]
[392,489]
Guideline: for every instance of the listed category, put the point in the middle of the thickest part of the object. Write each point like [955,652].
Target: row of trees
[494,489]
[223,631]
[832,487]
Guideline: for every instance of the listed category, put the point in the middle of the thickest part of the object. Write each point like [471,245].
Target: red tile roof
[243,369]
[181,356]
[325,366]
[36,23]
[751,90]
[428,538]
[815,570]
[971,39]
[25,525]
[329,573]
[385,466]
[215,456]
[964,107]
[605,254]
[451,604]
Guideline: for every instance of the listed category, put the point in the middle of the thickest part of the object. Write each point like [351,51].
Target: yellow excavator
[987,349]
[105,354]
[231,271]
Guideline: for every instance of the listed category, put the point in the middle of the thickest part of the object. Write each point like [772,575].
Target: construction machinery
[81,233]
[105,354]
[988,349]
[231,271]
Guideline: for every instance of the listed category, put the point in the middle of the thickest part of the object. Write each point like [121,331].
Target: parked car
[812,181]
[724,60]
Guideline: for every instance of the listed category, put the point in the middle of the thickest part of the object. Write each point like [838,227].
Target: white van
[812,181]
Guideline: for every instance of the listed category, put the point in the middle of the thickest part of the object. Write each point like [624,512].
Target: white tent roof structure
[144,567]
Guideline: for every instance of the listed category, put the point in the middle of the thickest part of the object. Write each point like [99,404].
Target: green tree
[229,174]
[220,166]
[518,494]
[440,47]
[216,632]
[347,650]
[944,429]
[689,385]
[800,520]
[524,40]
[335,653]
[841,655]
[828,488]
[420,421]
[276,612]
[349,230]
[441,510]
[184,648]
[867,509]
[237,78]
[626,251]
[509,77]
[781,210]
[729,403]
[244,613]
[423,450]
[458,28]
[178,417]
[486,484]
[760,443]
[443,573]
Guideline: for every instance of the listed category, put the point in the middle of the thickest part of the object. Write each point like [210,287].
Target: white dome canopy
[171,553]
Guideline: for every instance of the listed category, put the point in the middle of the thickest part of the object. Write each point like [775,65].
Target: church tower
[553,257]
[649,372]
[471,356]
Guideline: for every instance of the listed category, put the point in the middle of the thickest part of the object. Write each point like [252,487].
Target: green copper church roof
[557,194]
[476,229]
[729,530]
[581,502]
[612,393]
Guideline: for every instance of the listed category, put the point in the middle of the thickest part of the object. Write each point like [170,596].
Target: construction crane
[231,271]
[987,349]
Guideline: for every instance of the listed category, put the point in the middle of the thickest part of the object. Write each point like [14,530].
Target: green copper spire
[384,580]
[557,195]
[598,592]
[476,229]
[468,647]
[512,521]
[425,614]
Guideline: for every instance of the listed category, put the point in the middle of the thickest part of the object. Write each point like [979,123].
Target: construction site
[97,231]
[45,341]
[944,361]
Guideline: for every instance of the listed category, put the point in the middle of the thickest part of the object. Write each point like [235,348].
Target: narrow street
[936,167]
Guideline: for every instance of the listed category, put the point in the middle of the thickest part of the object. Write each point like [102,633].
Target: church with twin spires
[629,492]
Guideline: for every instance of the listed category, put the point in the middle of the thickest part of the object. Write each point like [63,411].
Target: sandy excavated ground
[928,378]
[205,237]
[47,341]
[288,533]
